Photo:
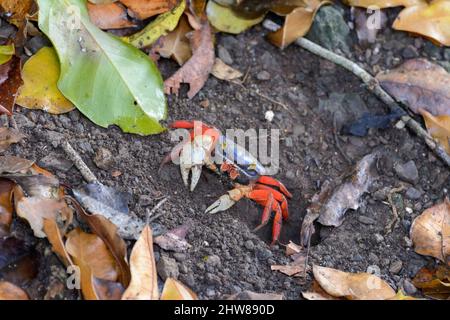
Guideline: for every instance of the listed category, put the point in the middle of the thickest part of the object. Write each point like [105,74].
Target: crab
[206,146]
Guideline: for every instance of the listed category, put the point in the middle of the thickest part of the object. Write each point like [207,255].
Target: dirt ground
[226,256]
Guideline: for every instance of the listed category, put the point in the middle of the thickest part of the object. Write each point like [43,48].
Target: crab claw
[223,203]
[192,158]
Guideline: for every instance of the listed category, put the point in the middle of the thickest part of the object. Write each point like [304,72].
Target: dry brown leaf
[383,3]
[419,84]
[292,248]
[430,232]
[6,206]
[197,69]
[11,164]
[438,127]
[55,238]
[434,283]
[175,290]
[36,209]
[89,249]
[175,45]
[109,16]
[316,292]
[347,195]
[431,20]
[9,136]
[144,279]
[9,291]
[107,231]
[9,88]
[143,9]
[353,286]
[20,12]
[223,71]
[289,270]
[297,24]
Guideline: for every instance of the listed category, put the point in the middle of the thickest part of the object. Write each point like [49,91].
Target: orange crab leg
[266,198]
[266,212]
[278,196]
[276,229]
[275,183]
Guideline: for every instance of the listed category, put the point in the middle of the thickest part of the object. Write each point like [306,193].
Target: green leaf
[6,53]
[224,19]
[159,27]
[109,81]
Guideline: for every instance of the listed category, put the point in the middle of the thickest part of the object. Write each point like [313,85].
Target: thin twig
[151,218]
[79,163]
[337,142]
[372,85]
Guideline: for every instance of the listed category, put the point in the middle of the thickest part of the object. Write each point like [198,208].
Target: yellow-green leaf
[6,53]
[40,76]
[225,19]
[163,24]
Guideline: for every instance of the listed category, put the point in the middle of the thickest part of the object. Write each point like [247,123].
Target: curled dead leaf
[9,291]
[430,232]
[297,24]
[435,283]
[353,286]
[144,279]
[419,84]
[223,71]
[196,70]
[35,209]
[55,238]
[175,45]
[107,231]
[316,292]
[175,290]
[88,249]
[335,204]
[438,127]
[109,16]
[428,19]
[143,9]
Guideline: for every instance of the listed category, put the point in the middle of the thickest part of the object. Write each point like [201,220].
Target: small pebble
[263,76]
[395,267]
[269,115]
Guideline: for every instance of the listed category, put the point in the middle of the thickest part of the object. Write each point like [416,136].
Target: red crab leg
[266,213]
[266,198]
[276,229]
[278,196]
[275,183]
[182,124]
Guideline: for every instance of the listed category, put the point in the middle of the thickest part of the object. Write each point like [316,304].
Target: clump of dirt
[226,256]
